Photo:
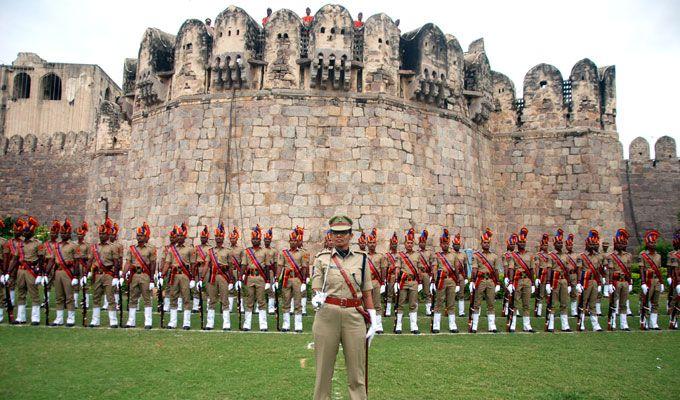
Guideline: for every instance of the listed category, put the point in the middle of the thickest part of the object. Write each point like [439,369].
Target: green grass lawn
[49,363]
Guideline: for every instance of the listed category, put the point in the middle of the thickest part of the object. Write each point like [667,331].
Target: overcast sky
[642,38]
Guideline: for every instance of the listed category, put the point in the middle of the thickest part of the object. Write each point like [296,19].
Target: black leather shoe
[147,327]
[453,331]
[186,328]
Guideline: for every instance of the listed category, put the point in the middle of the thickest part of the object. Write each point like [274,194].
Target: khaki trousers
[485,289]
[590,297]
[139,286]
[64,291]
[334,325]
[446,298]
[523,296]
[26,285]
[102,286]
[620,294]
[560,293]
[180,288]
[377,298]
[292,290]
[255,290]
[409,293]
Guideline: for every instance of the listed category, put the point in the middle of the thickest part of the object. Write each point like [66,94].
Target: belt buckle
[343,302]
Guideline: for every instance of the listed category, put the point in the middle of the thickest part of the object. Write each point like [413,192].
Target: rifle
[644,308]
[9,305]
[432,299]
[159,290]
[238,305]
[120,303]
[396,303]
[537,298]
[673,320]
[511,310]
[128,299]
[470,307]
[276,307]
[200,303]
[83,292]
[46,287]
[548,303]
[610,312]
[581,311]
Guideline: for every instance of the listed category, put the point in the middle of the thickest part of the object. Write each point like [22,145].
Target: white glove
[303,288]
[497,288]
[83,280]
[267,286]
[569,289]
[605,292]
[579,288]
[599,288]
[38,280]
[89,274]
[114,282]
[318,299]
[457,288]
[382,288]
[611,289]
[533,289]
[420,287]
[506,281]
[661,288]
[548,289]
[677,289]
[199,284]
[630,288]
[151,285]
[127,275]
[472,286]
[374,322]
[432,288]
[275,286]
[238,285]
[396,286]
[644,288]
[2,279]
[466,281]
[511,288]
[6,276]
[670,281]
[230,287]
[307,280]
[192,284]
[74,282]
[160,283]
[603,280]
[537,282]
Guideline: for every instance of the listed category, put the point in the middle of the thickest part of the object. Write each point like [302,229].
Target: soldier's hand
[45,280]
[457,288]
[151,285]
[677,289]
[192,284]
[83,280]
[670,281]
[603,280]
[238,284]
[303,288]
[230,287]
[466,281]
[74,282]
[127,275]
[579,288]
[472,286]
[537,282]
[511,288]
[275,285]
[199,284]
[318,299]
[396,286]
[420,287]
[382,288]
[630,287]
[160,283]
[599,288]
[661,288]
[644,288]
[38,280]
[114,282]
[6,278]
[267,286]
[432,287]
[506,281]
[89,274]
[2,279]
[497,288]
[374,323]
[548,288]
[533,289]
[569,289]
[307,280]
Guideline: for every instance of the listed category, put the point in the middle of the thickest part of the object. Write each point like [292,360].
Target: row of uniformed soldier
[398,277]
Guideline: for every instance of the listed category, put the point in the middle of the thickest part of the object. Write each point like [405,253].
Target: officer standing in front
[342,292]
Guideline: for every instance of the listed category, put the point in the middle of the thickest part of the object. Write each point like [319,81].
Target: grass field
[41,362]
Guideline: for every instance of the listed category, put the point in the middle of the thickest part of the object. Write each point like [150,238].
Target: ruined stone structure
[286,124]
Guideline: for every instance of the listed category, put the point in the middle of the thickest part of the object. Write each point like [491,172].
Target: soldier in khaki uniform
[66,275]
[425,262]
[522,275]
[603,274]
[201,266]
[573,276]
[652,283]
[235,252]
[389,265]
[180,262]
[272,256]
[105,270]
[255,278]
[292,268]
[447,280]
[8,250]
[342,286]
[462,266]
[50,245]
[27,260]
[558,287]
[485,282]
[374,262]
[82,258]
[118,250]
[674,278]
[589,266]
[544,265]
[141,268]
[619,279]
[408,284]
[219,277]
[506,260]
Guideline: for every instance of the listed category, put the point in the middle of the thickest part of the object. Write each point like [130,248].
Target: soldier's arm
[317,277]
[152,262]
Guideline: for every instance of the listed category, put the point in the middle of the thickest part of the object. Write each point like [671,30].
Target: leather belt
[344,302]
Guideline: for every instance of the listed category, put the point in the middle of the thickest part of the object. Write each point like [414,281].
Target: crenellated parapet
[332,52]
[57,144]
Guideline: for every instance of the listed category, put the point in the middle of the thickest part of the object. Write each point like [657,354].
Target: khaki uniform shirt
[262,257]
[387,265]
[148,254]
[69,252]
[556,268]
[427,256]
[597,260]
[33,249]
[441,270]
[272,254]
[530,262]
[377,260]
[335,285]
[287,269]
[107,253]
[615,273]
[461,262]
[481,268]
[188,255]
[405,269]
[50,248]
[656,257]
